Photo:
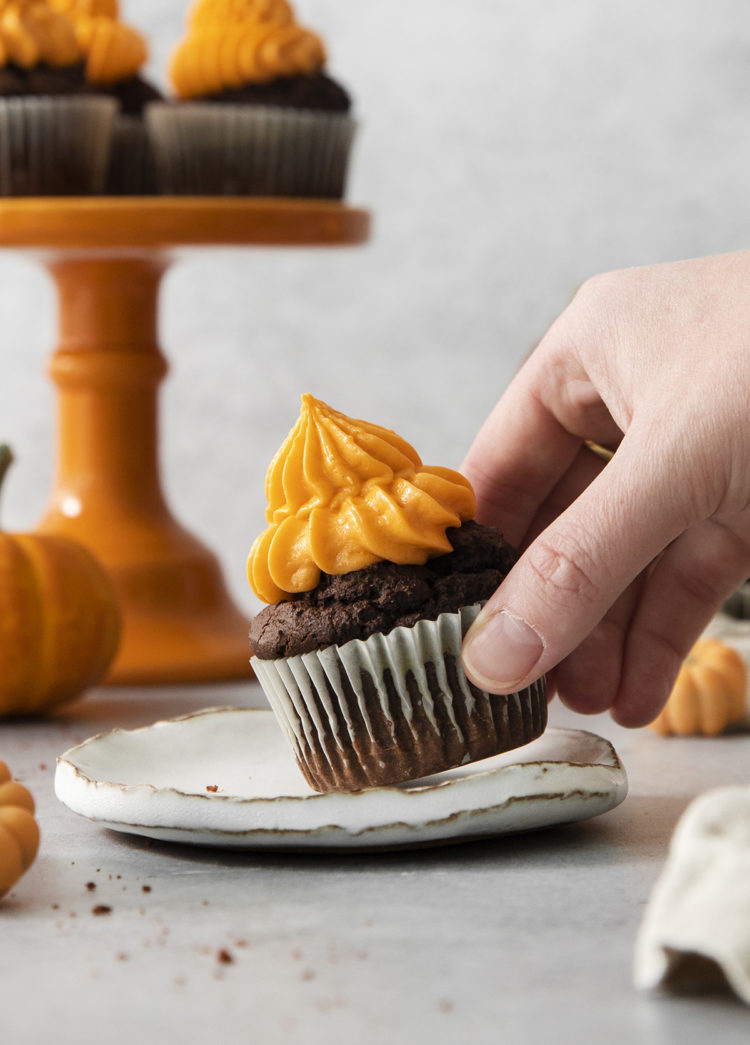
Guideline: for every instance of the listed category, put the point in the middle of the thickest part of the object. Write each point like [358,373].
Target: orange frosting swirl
[113,51]
[31,33]
[233,42]
[87,8]
[344,494]
[208,14]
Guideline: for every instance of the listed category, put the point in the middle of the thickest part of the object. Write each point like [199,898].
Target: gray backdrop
[508,149]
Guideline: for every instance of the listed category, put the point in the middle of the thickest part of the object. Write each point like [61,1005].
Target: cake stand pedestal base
[107,258]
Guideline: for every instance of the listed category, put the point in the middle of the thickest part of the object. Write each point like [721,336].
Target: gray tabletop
[520,939]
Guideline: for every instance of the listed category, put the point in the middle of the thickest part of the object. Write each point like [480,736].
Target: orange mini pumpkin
[709,693]
[59,619]
[19,833]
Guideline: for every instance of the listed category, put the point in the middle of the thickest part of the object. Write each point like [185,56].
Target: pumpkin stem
[6,460]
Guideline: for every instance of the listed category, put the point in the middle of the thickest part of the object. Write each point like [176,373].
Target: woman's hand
[623,563]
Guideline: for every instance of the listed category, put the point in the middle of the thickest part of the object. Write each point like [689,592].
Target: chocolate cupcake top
[112,51]
[344,494]
[385,596]
[33,34]
[231,45]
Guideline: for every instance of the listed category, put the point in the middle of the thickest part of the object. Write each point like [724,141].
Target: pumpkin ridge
[43,614]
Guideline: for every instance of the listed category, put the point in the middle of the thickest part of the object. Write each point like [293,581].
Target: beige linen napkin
[696,929]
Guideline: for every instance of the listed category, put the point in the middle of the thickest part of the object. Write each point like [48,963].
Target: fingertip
[501,651]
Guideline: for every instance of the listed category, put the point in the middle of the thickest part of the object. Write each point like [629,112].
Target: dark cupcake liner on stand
[131,170]
[219,150]
[55,146]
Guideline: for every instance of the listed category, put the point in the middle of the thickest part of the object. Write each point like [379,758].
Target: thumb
[570,576]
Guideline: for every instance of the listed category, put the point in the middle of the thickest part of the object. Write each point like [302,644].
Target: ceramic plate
[225,777]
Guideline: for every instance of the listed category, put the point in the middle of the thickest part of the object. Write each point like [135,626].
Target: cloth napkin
[695,933]
[696,929]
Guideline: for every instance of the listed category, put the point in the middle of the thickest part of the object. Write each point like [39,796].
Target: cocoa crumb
[101,908]
[145,888]
[224,957]
[212,787]
[91,886]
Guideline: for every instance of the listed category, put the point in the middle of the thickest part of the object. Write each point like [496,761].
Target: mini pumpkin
[19,833]
[59,619]
[709,693]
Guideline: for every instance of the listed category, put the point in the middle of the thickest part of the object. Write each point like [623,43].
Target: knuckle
[564,569]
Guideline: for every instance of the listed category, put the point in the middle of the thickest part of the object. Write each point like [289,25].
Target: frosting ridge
[31,33]
[343,494]
[232,42]
[113,51]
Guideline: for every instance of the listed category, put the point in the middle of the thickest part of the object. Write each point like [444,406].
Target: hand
[623,564]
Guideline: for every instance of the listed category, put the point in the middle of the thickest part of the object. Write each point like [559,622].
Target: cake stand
[107,257]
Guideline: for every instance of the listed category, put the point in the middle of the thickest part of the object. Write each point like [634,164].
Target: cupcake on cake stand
[107,257]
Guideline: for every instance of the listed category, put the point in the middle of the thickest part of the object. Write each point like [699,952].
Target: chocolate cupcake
[55,135]
[374,571]
[114,54]
[256,112]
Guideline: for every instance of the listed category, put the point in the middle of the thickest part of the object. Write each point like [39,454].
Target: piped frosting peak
[32,33]
[343,494]
[234,42]
[112,50]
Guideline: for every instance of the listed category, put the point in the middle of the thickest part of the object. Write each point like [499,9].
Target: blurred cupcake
[374,572]
[257,114]
[114,55]
[55,135]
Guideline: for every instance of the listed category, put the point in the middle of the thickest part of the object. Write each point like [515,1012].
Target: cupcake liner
[394,707]
[738,604]
[131,170]
[238,150]
[55,146]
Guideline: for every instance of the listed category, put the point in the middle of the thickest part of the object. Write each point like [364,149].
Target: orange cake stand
[107,257]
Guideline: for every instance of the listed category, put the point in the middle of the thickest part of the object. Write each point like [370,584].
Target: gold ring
[601,451]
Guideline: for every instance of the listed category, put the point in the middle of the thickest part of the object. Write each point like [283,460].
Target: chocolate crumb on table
[101,908]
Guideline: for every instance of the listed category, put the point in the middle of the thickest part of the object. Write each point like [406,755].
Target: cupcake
[374,569]
[256,112]
[55,135]
[114,55]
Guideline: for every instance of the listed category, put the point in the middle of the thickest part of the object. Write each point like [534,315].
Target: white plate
[225,777]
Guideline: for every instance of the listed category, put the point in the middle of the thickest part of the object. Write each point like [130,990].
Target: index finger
[530,440]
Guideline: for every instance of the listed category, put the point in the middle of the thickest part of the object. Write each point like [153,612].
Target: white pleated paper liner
[394,707]
[696,929]
[131,170]
[55,146]
[236,150]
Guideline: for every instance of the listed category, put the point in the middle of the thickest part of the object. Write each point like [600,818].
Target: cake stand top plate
[154,222]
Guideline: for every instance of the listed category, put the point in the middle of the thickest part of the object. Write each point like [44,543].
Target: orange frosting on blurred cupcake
[344,494]
[112,50]
[234,42]
[31,34]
